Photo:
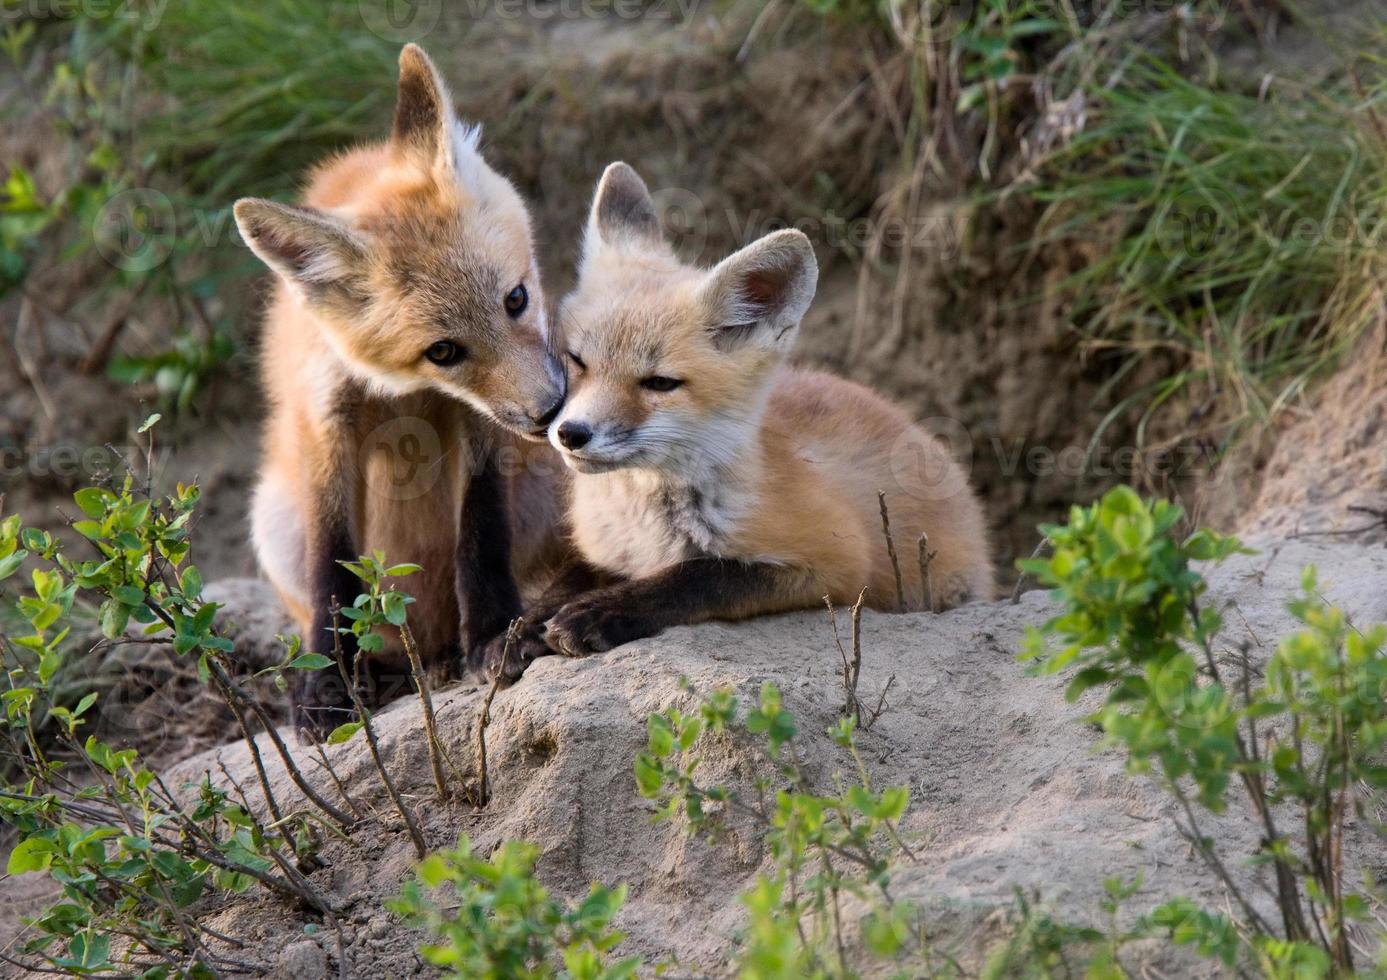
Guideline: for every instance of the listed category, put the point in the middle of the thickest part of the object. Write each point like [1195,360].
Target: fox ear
[424,121]
[622,208]
[314,253]
[760,294]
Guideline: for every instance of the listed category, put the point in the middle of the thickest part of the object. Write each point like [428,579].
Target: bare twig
[249,737]
[482,795]
[296,877]
[227,684]
[336,780]
[285,756]
[926,558]
[1021,582]
[416,667]
[881,707]
[852,667]
[891,550]
[420,848]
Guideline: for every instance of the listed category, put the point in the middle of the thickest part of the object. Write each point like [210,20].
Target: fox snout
[573,435]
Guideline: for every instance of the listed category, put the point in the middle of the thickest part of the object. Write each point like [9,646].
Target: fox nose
[574,435]
[542,421]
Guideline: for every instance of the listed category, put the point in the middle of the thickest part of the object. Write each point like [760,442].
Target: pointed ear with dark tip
[623,208]
[313,252]
[760,294]
[423,108]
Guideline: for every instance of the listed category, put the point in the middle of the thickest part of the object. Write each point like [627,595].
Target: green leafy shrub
[1303,738]
[494,921]
[132,858]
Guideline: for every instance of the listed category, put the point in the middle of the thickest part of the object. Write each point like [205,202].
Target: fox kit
[406,358]
[713,481]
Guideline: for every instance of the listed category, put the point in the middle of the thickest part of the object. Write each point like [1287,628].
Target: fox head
[670,365]
[425,277]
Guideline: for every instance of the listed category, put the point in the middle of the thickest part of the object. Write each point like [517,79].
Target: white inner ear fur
[465,156]
[765,289]
[304,248]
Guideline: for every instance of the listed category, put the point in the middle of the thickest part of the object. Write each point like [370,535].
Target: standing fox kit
[405,348]
[713,481]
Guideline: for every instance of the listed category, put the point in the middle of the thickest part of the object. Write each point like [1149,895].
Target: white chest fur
[636,523]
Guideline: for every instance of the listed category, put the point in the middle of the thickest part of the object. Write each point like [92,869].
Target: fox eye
[658,383]
[445,353]
[516,301]
[577,360]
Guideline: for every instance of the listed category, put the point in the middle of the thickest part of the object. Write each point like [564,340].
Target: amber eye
[577,360]
[445,353]
[516,301]
[658,383]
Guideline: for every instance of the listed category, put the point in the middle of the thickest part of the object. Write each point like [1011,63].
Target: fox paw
[494,660]
[588,626]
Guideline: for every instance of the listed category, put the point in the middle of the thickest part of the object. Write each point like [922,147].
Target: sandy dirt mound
[1326,474]
[1006,786]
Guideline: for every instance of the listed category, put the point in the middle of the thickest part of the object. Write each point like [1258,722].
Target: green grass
[1238,234]
[240,98]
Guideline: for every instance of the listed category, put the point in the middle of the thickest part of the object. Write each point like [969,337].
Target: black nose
[542,421]
[574,435]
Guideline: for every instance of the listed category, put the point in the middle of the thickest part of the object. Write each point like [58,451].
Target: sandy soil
[1007,787]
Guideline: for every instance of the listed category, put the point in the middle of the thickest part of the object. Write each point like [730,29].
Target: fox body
[410,378]
[711,479]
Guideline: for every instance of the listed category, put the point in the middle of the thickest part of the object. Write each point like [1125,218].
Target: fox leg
[690,592]
[576,578]
[486,589]
[321,699]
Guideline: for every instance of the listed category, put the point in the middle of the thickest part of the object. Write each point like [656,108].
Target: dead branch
[926,558]
[852,667]
[1021,582]
[891,550]
[416,667]
[881,707]
[482,795]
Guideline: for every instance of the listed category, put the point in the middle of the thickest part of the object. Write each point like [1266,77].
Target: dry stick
[851,705]
[1020,582]
[416,667]
[891,550]
[926,558]
[881,707]
[294,875]
[260,772]
[483,794]
[420,848]
[228,685]
[857,646]
[336,780]
[290,766]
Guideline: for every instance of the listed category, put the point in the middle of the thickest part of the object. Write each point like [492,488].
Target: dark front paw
[593,624]
[508,657]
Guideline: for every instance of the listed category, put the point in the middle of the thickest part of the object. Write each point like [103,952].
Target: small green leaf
[309,661]
[343,733]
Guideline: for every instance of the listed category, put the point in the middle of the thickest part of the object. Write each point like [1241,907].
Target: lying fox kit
[406,342]
[712,478]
